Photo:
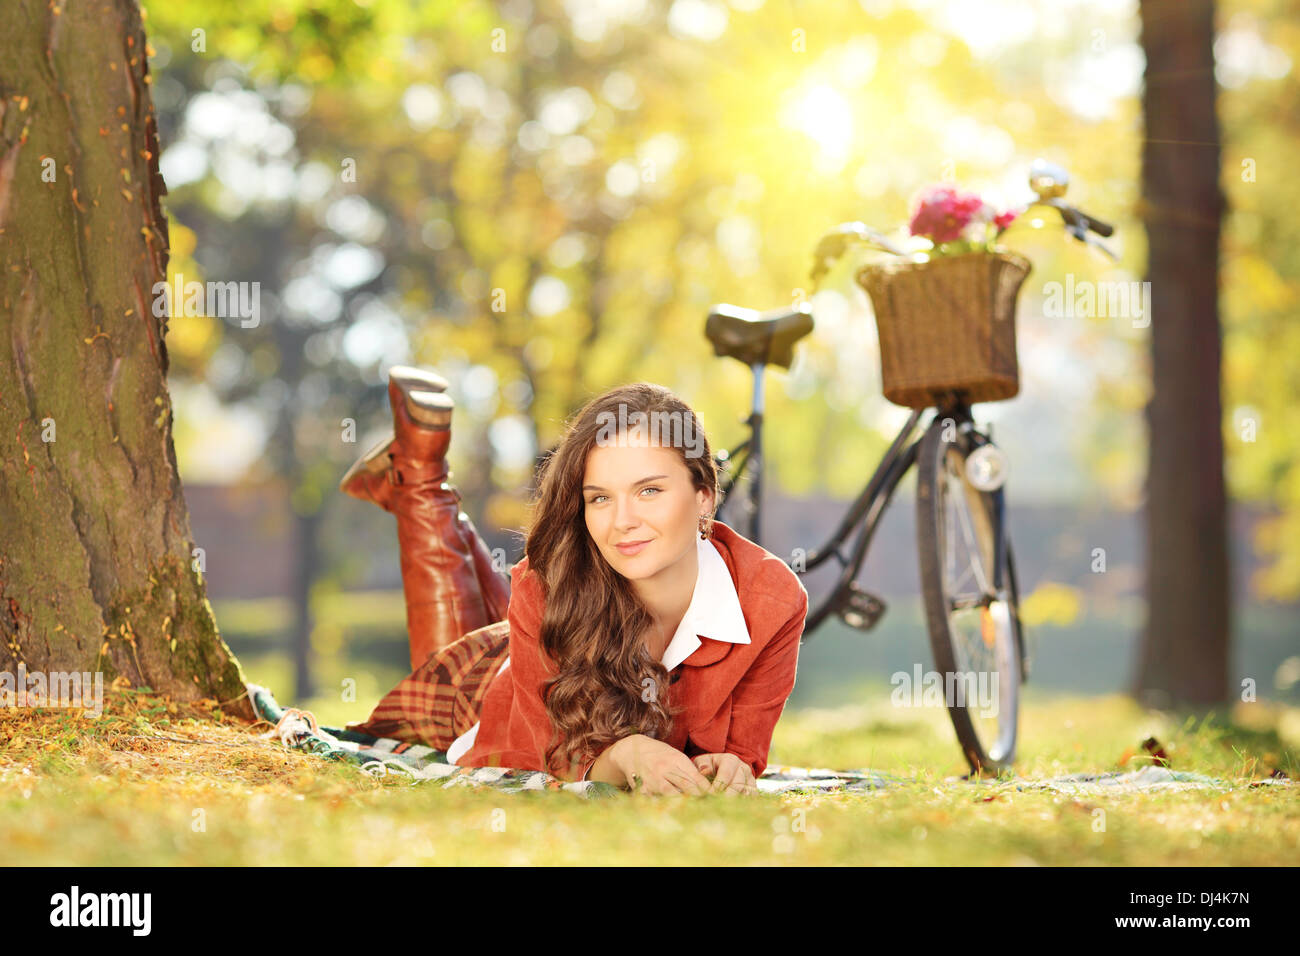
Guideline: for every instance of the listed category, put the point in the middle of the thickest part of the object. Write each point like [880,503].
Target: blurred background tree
[1185,645]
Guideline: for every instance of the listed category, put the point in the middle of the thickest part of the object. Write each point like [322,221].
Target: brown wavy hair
[593,616]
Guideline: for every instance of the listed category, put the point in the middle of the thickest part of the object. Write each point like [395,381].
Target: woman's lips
[630,549]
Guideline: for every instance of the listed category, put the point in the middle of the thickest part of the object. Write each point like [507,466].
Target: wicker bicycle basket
[947,325]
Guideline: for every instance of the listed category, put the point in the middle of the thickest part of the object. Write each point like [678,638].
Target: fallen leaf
[1152,746]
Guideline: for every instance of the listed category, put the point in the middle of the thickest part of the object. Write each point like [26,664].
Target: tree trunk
[1184,655]
[97,569]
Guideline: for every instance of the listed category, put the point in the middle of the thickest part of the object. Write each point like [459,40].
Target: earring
[706,527]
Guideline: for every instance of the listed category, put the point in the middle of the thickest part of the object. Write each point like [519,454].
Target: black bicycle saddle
[752,336]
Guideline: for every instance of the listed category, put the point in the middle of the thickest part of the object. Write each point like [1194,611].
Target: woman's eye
[595,499]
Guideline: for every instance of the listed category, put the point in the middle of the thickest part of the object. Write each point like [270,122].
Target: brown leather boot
[444,596]
[367,479]
[370,478]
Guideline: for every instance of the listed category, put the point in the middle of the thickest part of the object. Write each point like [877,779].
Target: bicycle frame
[866,510]
[753,449]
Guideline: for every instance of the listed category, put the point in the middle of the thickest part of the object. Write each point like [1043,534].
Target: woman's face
[641,493]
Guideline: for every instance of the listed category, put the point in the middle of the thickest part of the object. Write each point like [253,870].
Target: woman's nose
[625,513]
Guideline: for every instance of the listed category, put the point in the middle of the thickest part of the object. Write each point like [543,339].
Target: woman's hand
[728,772]
[652,766]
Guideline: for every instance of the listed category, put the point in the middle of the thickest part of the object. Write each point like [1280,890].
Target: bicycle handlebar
[1078,218]
[1079,224]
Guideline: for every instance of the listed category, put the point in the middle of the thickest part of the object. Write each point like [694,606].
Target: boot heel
[430,409]
[422,412]
[425,395]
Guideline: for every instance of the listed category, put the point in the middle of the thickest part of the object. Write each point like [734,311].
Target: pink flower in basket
[945,214]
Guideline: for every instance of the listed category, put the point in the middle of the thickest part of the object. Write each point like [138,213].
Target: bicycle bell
[1048,180]
[986,468]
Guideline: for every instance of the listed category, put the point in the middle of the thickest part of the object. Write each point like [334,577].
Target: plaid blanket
[298,730]
[441,699]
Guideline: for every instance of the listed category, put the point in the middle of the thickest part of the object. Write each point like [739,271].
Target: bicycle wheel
[975,633]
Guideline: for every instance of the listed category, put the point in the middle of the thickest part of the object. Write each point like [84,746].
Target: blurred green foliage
[564,189]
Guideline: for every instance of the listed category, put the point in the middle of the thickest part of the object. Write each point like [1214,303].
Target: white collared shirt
[714,612]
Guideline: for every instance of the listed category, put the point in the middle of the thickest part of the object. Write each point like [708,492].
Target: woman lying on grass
[648,645]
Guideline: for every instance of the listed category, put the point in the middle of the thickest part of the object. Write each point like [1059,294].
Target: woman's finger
[686,783]
[745,778]
[699,781]
[657,786]
[707,764]
[653,784]
[736,780]
[675,784]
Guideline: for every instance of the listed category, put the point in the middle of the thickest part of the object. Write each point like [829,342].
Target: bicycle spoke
[972,567]
[980,634]
[977,553]
[973,549]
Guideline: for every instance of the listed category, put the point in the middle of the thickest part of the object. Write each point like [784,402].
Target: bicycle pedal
[859,609]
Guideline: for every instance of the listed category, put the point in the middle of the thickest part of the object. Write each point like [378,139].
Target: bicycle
[972,610]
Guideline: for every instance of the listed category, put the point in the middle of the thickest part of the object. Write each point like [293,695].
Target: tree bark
[1184,654]
[97,566]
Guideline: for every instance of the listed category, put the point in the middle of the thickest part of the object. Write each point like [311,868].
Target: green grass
[362,635]
[162,785]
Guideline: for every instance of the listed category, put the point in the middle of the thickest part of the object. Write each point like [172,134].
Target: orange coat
[733,692]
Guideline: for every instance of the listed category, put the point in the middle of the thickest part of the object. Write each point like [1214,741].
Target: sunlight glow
[826,117]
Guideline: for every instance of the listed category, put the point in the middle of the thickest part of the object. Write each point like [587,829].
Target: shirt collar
[714,611]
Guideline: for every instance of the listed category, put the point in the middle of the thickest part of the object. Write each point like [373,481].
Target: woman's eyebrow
[634,484]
